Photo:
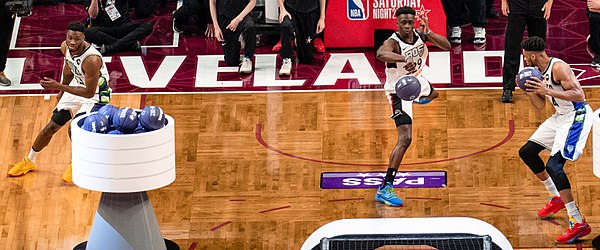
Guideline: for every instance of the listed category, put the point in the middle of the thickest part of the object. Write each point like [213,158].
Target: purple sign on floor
[408,179]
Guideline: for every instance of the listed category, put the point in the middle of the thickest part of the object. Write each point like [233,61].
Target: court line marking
[259,138]
[553,222]
[274,209]
[493,205]
[423,198]
[217,227]
[142,101]
[348,199]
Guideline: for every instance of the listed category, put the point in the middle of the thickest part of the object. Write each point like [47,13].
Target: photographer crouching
[6,22]
[8,10]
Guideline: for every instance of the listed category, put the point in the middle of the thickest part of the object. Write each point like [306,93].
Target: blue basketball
[114,132]
[152,118]
[408,88]
[108,111]
[125,120]
[525,74]
[95,123]
[139,130]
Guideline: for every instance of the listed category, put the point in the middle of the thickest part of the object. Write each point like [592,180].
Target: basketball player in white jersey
[563,134]
[84,65]
[405,52]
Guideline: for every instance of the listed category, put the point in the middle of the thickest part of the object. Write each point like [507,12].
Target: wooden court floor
[233,193]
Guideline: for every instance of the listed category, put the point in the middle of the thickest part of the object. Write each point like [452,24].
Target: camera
[21,8]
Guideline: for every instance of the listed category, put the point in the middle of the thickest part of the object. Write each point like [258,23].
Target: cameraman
[6,22]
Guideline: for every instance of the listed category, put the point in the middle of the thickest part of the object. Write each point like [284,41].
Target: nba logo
[358,9]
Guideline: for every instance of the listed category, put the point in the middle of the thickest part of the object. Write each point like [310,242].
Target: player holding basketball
[564,134]
[84,64]
[405,52]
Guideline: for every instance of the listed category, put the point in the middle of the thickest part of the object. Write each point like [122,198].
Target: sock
[389,176]
[573,211]
[32,154]
[551,187]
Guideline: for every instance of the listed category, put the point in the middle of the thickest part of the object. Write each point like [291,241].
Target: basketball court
[259,157]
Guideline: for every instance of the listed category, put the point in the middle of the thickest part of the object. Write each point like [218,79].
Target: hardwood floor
[232,192]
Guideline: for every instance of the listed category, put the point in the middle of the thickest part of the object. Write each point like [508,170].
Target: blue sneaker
[387,196]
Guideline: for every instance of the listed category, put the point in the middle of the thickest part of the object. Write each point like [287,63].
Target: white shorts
[406,106]
[75,104]
[565,133]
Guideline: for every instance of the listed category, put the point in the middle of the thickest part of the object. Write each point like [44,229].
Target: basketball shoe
[67,176]
[455,35]
[574,232]
[22,168]
[246,67]
[553,205]
[319,45]
[277,46]
[286,67]
[4,81]
[387,196]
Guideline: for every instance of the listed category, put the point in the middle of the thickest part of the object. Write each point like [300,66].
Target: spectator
[199,10]
[143,8]
[532,14]
[454,9]
[7,22]
[305,18]
[111,27]
[318,41]
[489,9]
[232,20]
[593,12]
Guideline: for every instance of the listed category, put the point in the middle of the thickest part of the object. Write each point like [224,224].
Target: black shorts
[64,115]
[400,117]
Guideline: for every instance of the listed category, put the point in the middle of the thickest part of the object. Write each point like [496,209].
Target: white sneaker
[479,35]
[455,34]
[286,67]
[246,67]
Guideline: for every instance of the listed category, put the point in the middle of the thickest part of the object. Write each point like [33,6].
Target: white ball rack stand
[123,168]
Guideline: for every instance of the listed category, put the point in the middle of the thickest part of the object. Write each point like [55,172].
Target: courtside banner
[173,63]
[356,20]
[405,179]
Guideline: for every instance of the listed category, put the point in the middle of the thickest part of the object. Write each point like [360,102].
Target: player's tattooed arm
[563,74]
[390,52]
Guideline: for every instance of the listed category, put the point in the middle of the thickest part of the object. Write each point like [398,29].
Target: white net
[405,242]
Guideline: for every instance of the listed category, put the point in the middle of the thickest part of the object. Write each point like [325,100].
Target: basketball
[95,123]
[525,74]
[152,118]
[125,120]
[114,132]
[108,111]
[139,129]
[408,88]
